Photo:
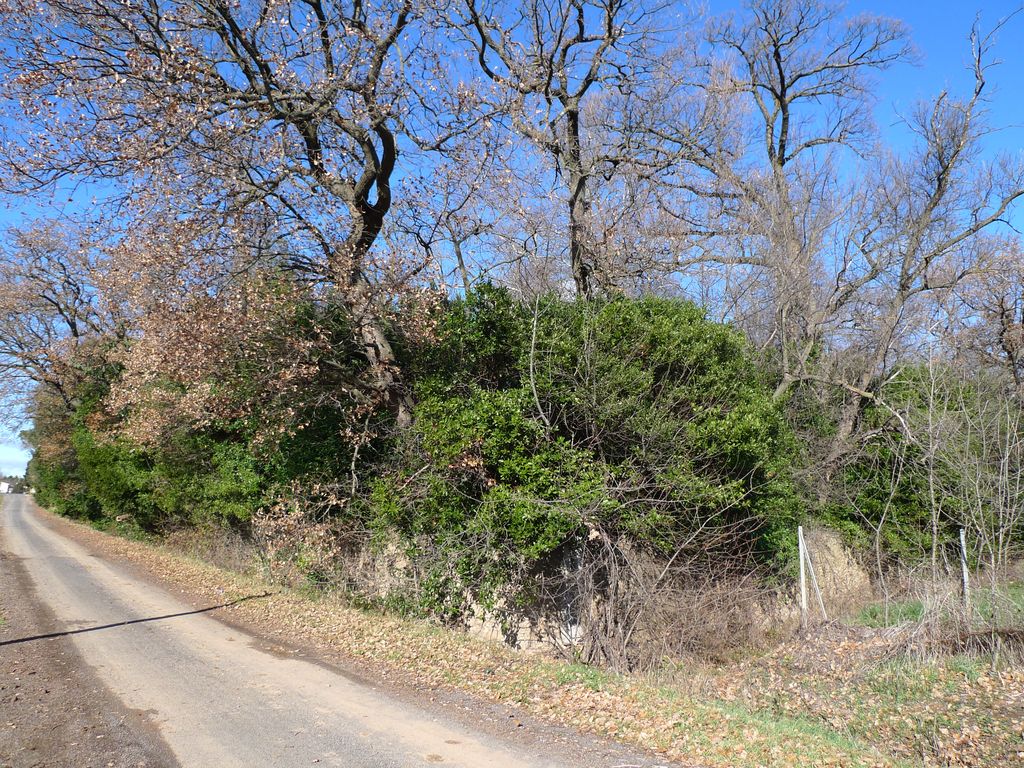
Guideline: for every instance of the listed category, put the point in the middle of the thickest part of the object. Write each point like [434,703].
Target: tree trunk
[385,376]
[839,447]
[579,208]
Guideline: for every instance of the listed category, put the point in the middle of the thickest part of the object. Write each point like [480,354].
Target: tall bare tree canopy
[52,315]
[562,76]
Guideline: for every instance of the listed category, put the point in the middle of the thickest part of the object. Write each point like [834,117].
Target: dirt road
[214,696]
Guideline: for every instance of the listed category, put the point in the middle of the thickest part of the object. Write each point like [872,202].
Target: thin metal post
[965,574]
[803,576]
[814,583]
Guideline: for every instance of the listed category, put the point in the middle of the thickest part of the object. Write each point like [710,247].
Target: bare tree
[978,460]
[454,216]
[831,244]
[52,320]
[296,108]
[988,315]
[786,97]
[550,66]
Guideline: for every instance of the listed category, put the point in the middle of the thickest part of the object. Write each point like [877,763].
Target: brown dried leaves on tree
[292,111]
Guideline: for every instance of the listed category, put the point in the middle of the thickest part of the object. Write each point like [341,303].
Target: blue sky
[939,30]
[12,458]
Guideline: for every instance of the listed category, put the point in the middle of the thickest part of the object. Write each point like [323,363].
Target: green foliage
[53,469]
[495,495]
[887,490]
[674,407]
[481,341]
[195,479]
[117,477]
[537,431]
[900,612]
[638,418]
[59,488]
[948,476]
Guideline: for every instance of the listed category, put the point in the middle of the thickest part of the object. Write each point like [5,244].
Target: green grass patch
[1005,607]
[593,678]
[729,734]
[875,616]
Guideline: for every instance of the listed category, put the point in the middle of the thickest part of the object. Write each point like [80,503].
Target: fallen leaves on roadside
[828,701]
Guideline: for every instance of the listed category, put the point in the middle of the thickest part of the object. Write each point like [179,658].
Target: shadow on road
[65,633]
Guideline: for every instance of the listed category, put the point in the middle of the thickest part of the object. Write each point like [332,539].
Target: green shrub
[640,419]
[674,407]
[541,434]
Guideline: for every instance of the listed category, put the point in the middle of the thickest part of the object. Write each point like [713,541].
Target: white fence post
[803,576]
[964,573]
[807,565]
[814,583]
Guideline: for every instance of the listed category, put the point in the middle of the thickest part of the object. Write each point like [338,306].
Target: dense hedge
[535,426]
[539,428]
[541,433]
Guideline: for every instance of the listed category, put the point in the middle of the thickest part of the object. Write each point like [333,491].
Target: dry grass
[216,546]
[955,710]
